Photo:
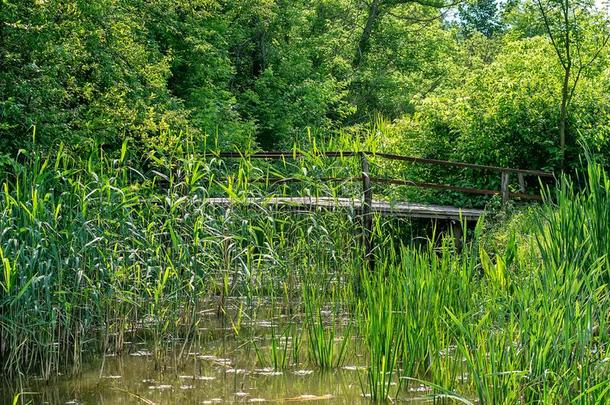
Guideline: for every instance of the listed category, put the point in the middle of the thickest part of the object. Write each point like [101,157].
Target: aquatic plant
[95,253]
[327,345]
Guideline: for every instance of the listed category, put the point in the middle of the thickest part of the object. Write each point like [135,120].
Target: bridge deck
[397,209]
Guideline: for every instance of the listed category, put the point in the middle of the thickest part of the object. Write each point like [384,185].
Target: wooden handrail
[367,181]
[397,182]
[505,171]
[527,172]
[389,156]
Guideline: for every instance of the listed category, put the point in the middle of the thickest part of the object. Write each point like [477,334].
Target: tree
[578,36]
[402,52]
[377,9]
[482,16]
[82,73]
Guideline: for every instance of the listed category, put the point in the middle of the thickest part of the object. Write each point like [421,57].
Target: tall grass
[96,252]
[506,326]
[99,251]
[327,345]
[93,250]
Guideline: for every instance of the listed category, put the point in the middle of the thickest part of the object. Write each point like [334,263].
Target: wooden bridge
[395,209]
[366,206]
[400,209]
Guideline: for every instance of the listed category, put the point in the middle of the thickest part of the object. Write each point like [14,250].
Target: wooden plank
[367,218]
[521,183]
[504,187]
[435,186]
[400,209]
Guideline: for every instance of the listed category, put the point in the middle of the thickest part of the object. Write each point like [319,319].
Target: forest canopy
[479,81]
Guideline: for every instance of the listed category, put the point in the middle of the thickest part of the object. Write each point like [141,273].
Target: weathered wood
[397,182]
[389,156]
[504,187]
[521,182]
[400,209]
[467,190]
[367,218]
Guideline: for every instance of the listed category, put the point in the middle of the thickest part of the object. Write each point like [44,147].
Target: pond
[219,366]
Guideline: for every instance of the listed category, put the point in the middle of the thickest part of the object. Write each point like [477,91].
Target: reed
[99,251]
[327,345]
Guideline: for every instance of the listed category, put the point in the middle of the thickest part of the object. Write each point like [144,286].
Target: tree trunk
[365,38]
[259,57]
[563,113]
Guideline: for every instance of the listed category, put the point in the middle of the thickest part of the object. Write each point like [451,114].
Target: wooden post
[504,187]
[457,232]
[521,182]
[367,218]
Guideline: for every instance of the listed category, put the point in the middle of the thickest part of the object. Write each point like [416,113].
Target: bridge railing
[367,181]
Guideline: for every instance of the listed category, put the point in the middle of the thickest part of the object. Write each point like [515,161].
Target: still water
[221,367]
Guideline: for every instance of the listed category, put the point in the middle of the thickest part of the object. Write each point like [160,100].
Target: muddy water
[220,368]
[133,381]
[204,379]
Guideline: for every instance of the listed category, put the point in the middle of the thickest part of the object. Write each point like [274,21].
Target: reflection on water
[220,369]
[134,380]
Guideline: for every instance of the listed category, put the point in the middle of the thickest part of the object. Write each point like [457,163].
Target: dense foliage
[480,82]
[111,114]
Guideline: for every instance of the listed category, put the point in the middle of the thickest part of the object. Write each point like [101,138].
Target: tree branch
[547,25]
